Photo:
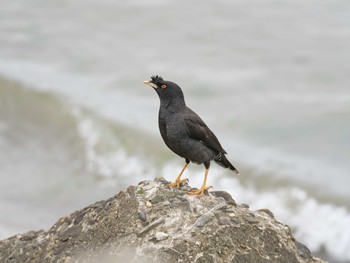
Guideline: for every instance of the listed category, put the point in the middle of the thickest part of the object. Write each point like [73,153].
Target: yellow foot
[177,183]
[199,191]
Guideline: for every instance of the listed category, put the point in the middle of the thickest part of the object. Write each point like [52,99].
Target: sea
[270,78]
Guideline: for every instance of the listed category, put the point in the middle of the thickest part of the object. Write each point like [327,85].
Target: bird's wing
[198,130]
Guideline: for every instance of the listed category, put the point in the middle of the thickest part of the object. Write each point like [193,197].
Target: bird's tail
[221,160]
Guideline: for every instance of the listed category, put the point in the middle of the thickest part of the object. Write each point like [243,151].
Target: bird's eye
[163,86]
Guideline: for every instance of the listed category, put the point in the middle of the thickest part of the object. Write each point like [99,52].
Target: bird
[185,133]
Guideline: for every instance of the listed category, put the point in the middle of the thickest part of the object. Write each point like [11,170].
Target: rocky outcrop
[152,223]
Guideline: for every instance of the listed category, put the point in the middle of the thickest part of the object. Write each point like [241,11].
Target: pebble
[166,202]
[220,206]
[161,236]
[161,179]
[148,204]
[183,205]
[251,219]
[143,215]
[235,220]
[303,251]
[203,220]
[223,220]
[267,211]
[226,196]
[154,224]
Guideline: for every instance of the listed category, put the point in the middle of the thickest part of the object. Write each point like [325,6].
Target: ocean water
[271,79]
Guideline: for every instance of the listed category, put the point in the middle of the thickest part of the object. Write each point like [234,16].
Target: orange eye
[163,86]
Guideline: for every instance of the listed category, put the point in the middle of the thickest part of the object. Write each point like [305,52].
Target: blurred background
[271,79]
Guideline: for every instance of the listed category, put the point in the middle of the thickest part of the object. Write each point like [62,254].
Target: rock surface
[152,223]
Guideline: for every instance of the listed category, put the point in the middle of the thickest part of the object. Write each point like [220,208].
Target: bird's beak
[150,83]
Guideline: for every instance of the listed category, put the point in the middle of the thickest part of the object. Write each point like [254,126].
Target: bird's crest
[156,78]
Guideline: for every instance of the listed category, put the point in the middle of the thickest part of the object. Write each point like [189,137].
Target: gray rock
[227,197]
[266,211]
[176,227]
[161,236]
[224,220]
[251,219]
[148,228]
[204,219]
[143,214]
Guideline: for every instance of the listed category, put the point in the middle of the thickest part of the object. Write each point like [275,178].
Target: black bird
[185,133]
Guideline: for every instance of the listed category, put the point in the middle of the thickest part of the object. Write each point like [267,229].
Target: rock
[152,223]
[143,214]
[151,226]
[226,196]
[204,219]
[161,236]
[223,220]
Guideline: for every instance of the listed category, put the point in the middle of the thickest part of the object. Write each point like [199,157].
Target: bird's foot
[199,191]
[177,183]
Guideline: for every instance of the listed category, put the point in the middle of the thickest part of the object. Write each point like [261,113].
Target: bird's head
[166,90]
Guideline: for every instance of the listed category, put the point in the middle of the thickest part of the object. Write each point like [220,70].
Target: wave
[59,157]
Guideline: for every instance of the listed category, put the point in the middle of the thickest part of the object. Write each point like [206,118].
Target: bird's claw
[200,191]
[177,183]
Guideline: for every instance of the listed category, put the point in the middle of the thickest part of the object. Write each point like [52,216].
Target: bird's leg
[178,181]
[204,187]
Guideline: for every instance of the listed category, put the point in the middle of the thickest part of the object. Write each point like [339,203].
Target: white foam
[305,169]
[110,162]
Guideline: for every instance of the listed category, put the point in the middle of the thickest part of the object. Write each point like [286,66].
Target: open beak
[150,83]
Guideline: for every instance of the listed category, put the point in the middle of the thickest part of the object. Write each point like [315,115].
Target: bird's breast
[172,130]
